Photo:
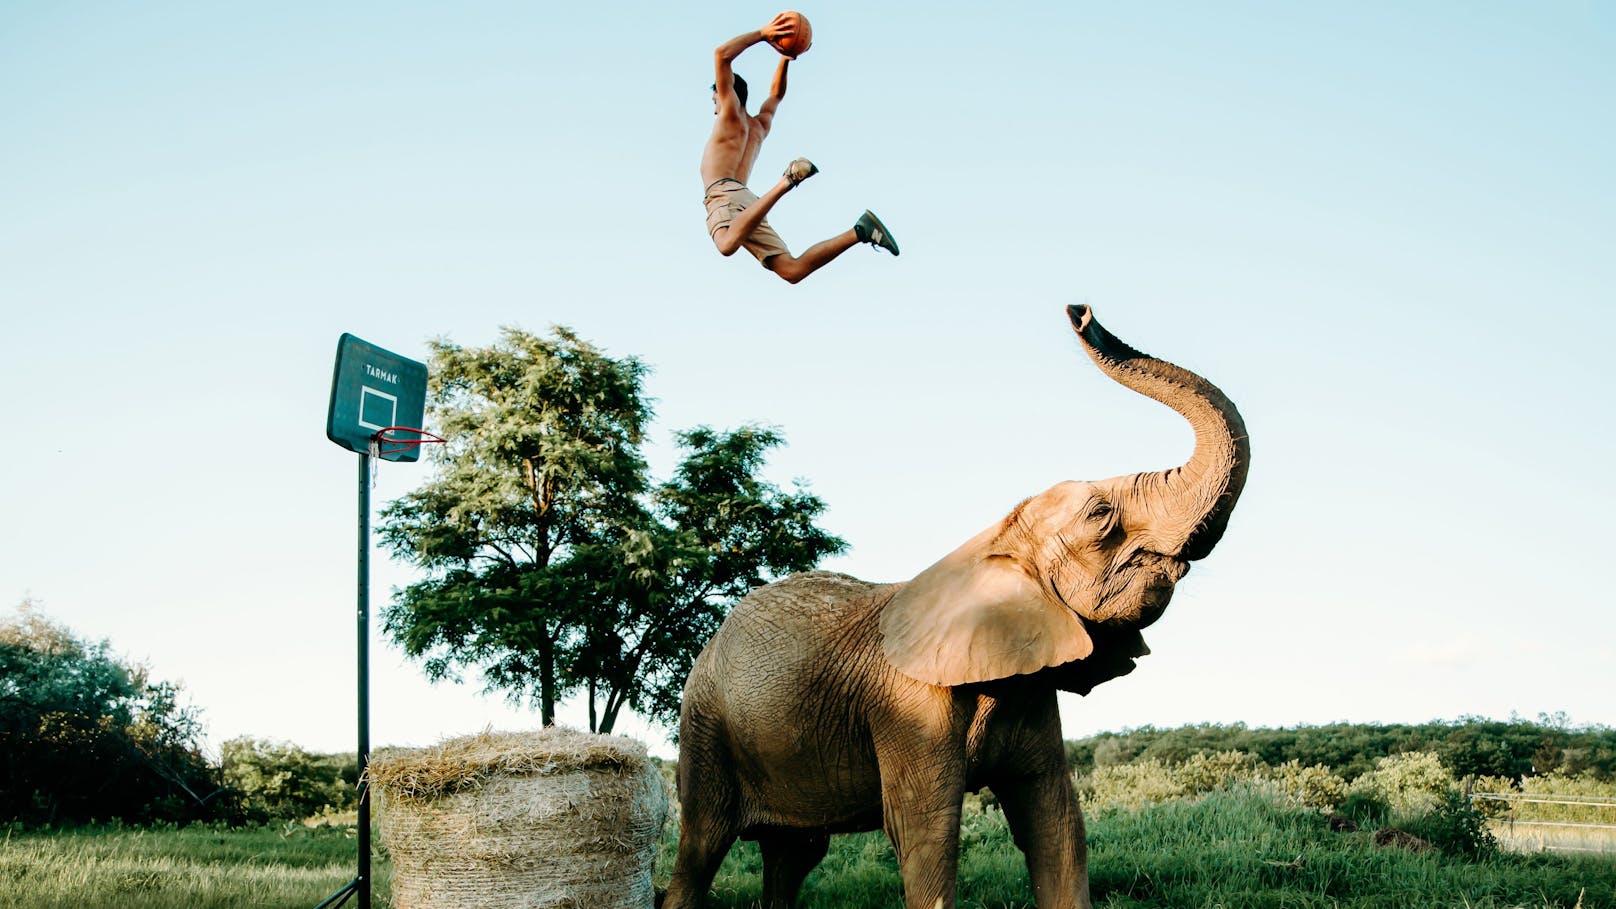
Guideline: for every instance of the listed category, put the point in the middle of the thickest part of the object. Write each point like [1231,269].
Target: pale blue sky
[1386,230]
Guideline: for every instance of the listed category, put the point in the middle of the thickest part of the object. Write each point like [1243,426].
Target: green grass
[1228,850]
[195,867]
[1238,850]
[1235,850]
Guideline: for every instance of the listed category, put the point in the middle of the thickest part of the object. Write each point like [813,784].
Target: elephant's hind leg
[704,840]
[709,816]
[788,857]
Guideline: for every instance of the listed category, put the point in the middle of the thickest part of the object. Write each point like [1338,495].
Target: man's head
[740,92]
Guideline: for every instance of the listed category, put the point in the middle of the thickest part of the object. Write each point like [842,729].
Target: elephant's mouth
[1153,602]
[1140,590]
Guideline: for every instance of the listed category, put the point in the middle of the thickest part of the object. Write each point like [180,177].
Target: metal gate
[1535,822]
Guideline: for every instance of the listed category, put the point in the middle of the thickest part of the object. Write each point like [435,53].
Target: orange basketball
[801,38]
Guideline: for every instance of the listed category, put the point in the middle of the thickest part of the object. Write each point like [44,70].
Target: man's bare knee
[726,245]
[788,267]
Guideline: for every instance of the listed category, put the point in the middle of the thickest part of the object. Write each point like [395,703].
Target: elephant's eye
[1099,511]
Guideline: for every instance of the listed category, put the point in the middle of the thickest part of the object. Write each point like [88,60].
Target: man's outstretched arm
[777,92]
[724,56]
[729,50]
[723,63]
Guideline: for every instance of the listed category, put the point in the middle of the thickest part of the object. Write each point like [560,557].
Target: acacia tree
[656,593]
[543,457]
[552,564]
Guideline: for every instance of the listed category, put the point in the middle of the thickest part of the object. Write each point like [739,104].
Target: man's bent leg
[795,268]
[733,236]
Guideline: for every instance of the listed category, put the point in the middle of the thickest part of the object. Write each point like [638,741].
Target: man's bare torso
[732,149]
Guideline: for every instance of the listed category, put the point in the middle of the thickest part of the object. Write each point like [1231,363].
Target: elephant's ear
[978,615]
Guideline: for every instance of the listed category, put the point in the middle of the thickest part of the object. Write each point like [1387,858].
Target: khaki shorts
[727,198]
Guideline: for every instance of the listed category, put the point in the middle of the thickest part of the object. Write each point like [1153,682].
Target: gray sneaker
[870,230]
[800,170]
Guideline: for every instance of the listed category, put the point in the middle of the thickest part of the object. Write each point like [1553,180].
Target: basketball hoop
[387,441]
[374,393]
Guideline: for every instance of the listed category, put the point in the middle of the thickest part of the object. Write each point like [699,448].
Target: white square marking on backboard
[392,407]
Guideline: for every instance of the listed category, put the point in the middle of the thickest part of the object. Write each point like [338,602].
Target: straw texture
[555,819]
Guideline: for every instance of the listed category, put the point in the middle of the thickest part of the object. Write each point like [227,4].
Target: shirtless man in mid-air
[735,214]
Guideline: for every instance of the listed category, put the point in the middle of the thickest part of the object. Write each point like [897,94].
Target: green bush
[1415,785]
[1455,827]
[1365,810]
[1129,785]
[1151,781]
[278,781]
[1314,786]
[1468,746]
[1585,783]
[1492,808]
[1203,773]
[1412,783]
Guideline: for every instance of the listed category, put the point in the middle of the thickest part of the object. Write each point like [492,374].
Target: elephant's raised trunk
[1197,498]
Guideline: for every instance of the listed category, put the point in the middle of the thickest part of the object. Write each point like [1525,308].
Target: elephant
[826,704]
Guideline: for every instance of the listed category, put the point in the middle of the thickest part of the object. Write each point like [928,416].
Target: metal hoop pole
[363,881]
[361,884]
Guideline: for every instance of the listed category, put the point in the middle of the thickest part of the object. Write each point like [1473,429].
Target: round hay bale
[556,818]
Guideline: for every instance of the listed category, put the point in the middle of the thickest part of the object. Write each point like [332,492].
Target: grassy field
[1232,850]
[197,867]
[1236,851]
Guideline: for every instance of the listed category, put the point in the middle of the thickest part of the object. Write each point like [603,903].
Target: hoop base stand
[341,896]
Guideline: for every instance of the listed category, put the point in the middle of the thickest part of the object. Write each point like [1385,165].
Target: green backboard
[372,389]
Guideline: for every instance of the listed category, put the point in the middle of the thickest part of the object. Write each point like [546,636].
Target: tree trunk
[546,678]
[543,550]
[593,725]
[614,703]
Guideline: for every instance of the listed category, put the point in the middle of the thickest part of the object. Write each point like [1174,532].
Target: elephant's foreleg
[920,804]
[1047,824]
[788,856]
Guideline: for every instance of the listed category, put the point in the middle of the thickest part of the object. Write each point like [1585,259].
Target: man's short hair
[740,88]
